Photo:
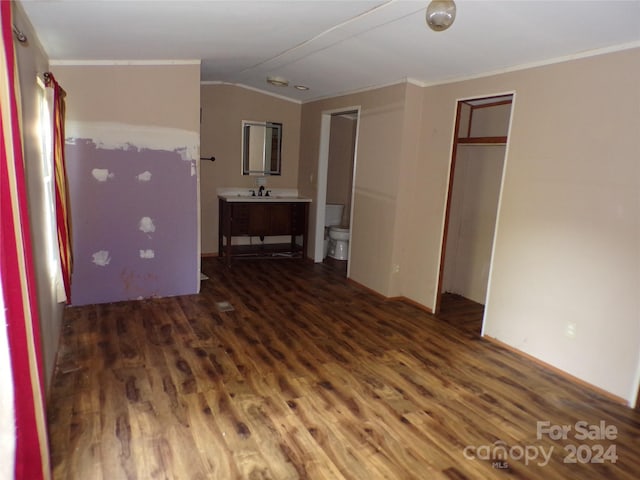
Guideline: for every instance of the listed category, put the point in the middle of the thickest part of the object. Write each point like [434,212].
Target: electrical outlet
[571,329]
[396,268]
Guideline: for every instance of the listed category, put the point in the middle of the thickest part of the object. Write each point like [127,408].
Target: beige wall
[378,160]
[406,236]
[567,245]
[224,107]
[566,249]
[139,95]
[32,62]
[490,121]
[340,172]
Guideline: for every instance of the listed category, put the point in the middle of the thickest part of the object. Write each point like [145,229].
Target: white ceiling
[333,46]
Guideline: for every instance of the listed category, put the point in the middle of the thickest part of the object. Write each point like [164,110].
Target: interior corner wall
[379,151]
[33,62]
[132,151]
[406,240]
[224,107]
[567,246]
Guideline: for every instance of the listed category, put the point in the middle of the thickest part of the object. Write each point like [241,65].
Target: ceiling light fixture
[301,87]
[441,14]
[278,81]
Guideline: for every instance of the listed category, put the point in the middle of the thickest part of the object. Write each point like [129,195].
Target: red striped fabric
[17,275]
[63,216]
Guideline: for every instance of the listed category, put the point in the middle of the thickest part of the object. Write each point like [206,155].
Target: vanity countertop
[276,195]
[271,198]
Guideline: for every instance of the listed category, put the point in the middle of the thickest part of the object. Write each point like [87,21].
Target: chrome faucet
[260,190]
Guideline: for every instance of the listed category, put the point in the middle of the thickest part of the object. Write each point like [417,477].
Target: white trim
[416,82]
[367,89]
[253,89]
[541,63]
[61,63]
[353,187]
[198,223]
[515,68]
[633,396]
[321,179]
[440,270]
[323,167]
[498,210]
[411,81]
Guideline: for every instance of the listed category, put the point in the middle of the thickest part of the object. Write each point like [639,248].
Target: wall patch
[101,258]
[127,137]
[146,225]
[102,174]
[144,176]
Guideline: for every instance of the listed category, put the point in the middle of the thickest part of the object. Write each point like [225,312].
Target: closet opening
[475,184]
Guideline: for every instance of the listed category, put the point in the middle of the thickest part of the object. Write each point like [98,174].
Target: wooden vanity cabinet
[262,219]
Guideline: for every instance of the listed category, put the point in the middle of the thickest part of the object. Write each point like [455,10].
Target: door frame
[447,208]
[321,178]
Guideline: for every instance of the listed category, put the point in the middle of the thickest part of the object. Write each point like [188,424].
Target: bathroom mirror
[261,148]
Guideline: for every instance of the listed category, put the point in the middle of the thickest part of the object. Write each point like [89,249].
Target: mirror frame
[267,144]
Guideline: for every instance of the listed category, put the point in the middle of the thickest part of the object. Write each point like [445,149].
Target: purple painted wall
[109,200]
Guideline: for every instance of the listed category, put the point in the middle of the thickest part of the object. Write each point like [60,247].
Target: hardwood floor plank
[240,442]
[209,439]
[309,376]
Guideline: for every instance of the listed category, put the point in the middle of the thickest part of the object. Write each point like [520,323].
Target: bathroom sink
[245,195]
[270,198]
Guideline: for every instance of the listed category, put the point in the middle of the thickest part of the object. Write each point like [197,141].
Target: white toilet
[337,245]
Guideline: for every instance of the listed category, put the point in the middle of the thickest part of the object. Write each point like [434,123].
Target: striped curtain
[63,217]
[17,277]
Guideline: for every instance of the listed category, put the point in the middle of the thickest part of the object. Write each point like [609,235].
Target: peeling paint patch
[101,258]
[144,176]
[146,225]
[102,174]
[147,254]
[117,136]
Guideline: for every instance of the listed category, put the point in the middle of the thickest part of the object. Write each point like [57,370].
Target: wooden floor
[310,377]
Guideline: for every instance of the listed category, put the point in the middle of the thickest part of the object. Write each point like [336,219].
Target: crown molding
[121,62]
[253,89]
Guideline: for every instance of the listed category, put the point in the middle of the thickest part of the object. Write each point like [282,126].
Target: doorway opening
[475,186]
[336,173]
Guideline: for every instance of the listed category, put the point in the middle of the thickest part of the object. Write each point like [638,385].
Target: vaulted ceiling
[332,47]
